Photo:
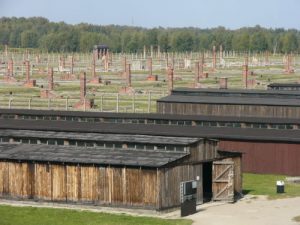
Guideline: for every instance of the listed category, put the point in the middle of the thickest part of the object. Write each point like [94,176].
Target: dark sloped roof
[148,116]
[66,154]
[155,130]
[236,92]
[228,100]
[116,138]
[284,85]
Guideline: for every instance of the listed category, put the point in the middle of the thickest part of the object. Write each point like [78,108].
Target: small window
[263,125]
[97,120]
[118,145]
[206,124]
[51,142]
[150,121]
[134,121]
[25,140]
[69,118]
[180,122]
[33,141]
[91,120]
[199,123]
[80,143]
[89,144]
[221,124]
[141,121]
[109,145]
[5,139]
[119,120]
[289,126]
[60,142]
[174,122]
[256,125]
[17,140]
[72,142]
[170,147]
[131,146]
[179,148]
[150,147]
[75,119]
[236,125]
[100,144]
[140,146]
[229,124]
[43,141]
[213,124]
[281,126]
[160,147]
[188,123]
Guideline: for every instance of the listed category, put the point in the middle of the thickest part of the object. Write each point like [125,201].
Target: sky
[231,14]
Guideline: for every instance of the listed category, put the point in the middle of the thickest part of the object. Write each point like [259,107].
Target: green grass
[47,216]
[258,184]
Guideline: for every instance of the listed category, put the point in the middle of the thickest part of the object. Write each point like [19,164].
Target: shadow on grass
[247,191]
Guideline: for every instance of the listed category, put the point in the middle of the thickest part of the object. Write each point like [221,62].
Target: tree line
[40,33]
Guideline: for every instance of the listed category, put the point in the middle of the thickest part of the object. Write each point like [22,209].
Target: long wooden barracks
[139,160]
[129,165]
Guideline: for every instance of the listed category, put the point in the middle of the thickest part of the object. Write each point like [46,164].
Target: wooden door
[223,180]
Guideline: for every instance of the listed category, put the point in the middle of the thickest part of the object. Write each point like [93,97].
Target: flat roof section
[31,112]
[251,134]
[228,100]
[78,155]
[236,92]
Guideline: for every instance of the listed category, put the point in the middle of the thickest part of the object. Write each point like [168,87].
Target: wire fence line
[104,102]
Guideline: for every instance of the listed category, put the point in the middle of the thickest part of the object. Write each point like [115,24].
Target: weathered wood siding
[203,150]
[228,110]
[170,179]
[85,184]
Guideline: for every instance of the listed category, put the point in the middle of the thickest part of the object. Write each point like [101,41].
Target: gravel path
[249,211]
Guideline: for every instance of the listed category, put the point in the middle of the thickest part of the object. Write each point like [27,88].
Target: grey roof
[116,138]
[66,154]
[284,85]
[228,100]
[147,116]
[155,130]
[236,92]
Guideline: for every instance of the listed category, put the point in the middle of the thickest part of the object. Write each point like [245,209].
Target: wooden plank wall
[203,150]
[228,110]
[238,175]
[170,179]
[83,184]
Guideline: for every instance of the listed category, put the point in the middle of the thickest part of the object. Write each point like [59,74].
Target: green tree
[29,39]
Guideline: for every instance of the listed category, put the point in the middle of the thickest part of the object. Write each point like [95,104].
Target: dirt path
[249,211]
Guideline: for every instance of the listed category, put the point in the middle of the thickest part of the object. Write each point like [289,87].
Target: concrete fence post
[149,101]
[101,103]
[10,103]
[133,102]
[67,103]
[117,106]
[29,103]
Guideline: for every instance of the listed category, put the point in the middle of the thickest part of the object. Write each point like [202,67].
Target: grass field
[45,216]
[258,184]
